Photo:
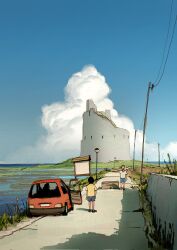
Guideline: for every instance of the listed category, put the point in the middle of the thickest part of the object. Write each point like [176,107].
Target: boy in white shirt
[123,175]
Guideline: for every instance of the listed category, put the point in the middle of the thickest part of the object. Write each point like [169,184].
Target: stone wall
[162,194]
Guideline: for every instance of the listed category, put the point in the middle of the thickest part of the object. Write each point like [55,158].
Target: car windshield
[44,190]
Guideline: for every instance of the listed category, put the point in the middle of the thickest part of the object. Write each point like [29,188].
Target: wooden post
[159,154]
[134,151]
[150,87]
[96,164]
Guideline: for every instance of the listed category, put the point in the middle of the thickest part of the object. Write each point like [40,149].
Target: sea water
[14,188]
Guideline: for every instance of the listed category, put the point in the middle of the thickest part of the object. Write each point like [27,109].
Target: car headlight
[58,205]
[31,206]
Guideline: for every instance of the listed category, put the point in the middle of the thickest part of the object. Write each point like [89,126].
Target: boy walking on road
[91,194]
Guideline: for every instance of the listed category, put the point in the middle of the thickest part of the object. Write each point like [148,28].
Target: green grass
[7,220]
[68,164]
[119,163]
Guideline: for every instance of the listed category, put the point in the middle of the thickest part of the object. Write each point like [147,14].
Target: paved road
[114,226]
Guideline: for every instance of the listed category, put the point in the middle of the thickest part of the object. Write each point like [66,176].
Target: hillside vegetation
[112,164]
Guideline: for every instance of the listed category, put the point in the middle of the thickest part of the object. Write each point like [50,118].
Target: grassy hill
[69,167]
[112,164]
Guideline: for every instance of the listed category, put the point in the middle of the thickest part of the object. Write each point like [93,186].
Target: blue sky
[42,43]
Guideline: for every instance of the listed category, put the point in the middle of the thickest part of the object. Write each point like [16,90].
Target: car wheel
[66,210]
[72,205]
[29,214]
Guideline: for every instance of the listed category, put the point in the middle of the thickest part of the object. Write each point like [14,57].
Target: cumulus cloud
[63,121]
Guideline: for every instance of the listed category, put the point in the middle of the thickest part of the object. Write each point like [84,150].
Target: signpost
[82,166]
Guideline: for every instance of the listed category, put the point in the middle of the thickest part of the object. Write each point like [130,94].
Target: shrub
[171,166]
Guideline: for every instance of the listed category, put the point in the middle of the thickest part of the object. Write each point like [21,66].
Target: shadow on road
[129,236]
[82,209]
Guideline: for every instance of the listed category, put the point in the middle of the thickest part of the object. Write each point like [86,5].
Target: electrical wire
[168,51]
[166,41]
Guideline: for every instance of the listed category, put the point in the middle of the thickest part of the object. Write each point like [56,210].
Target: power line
[168,51]
[152,85]
[166,41]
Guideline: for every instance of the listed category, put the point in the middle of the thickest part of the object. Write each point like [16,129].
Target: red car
[52,196]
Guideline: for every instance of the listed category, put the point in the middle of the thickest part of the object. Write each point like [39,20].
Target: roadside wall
[162,193]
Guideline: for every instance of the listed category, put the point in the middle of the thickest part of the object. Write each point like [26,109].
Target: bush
[171,166]
[4,221]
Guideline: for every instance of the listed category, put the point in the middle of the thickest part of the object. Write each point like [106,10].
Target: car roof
[47,180]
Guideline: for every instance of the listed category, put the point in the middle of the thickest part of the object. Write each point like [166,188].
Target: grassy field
[67,165]
[111,164]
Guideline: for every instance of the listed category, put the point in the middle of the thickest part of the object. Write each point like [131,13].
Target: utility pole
[150,87]
[96,151]
[114,161]
[159,153]
[134,151]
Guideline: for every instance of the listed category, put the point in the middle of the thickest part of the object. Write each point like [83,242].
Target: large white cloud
[63,121]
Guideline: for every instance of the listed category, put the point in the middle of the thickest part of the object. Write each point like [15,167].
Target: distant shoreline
[155,162]
[25,164]
[43,164]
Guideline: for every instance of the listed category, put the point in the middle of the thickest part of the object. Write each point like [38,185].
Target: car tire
[29,214]
[66,210]
[72,205]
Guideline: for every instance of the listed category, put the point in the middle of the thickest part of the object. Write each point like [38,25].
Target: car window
[64,188]
[44,190]
[34,190]
[73,185]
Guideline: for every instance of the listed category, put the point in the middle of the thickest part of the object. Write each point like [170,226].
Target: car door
[65,191]
[75,191]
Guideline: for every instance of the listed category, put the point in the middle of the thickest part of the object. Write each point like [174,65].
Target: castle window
[114,136]
[102,136]
[91,137]
[85,137]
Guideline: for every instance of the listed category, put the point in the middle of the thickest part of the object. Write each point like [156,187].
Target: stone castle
[99,131]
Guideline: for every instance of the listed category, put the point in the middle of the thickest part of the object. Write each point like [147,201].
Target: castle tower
[99,131]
